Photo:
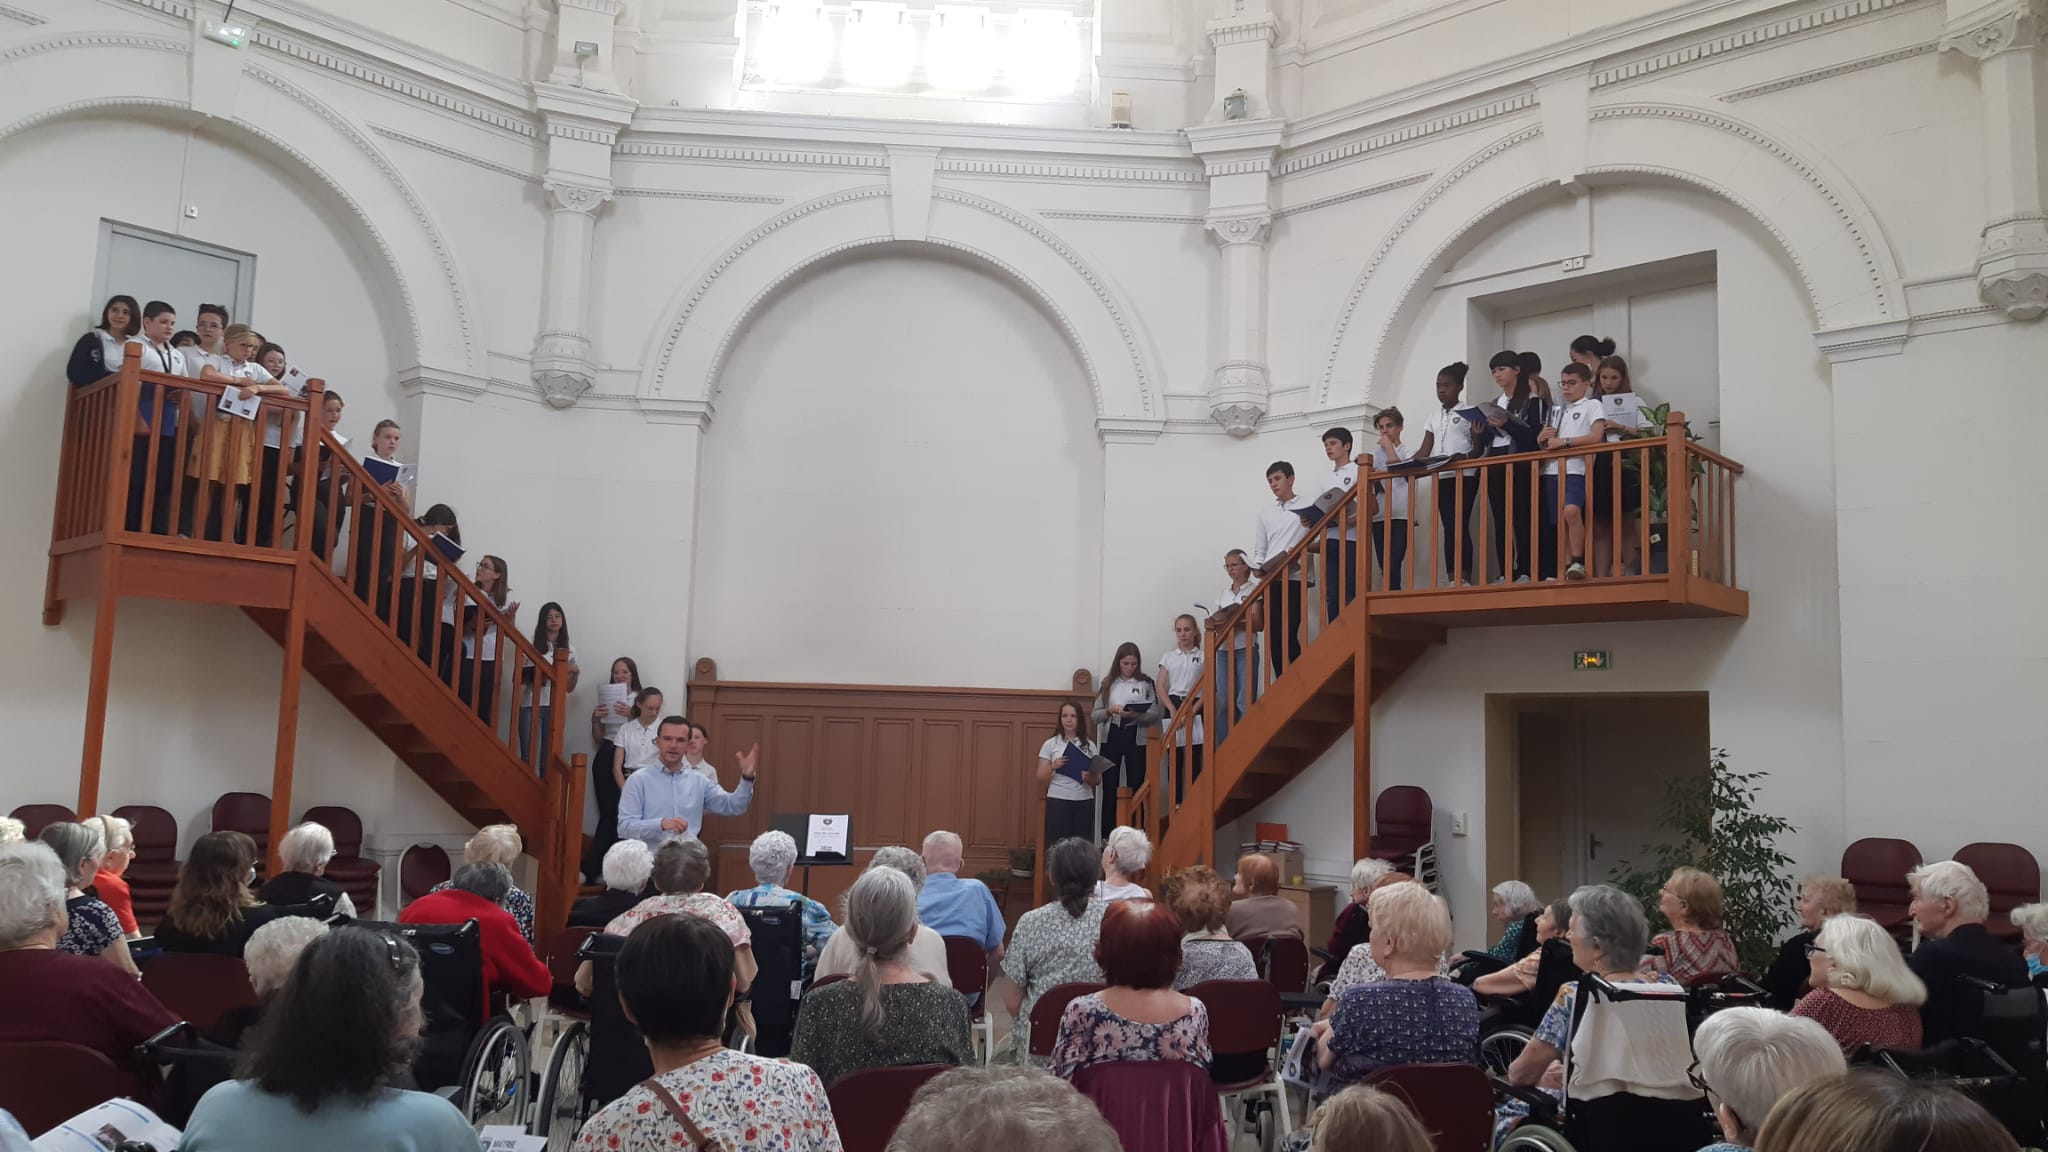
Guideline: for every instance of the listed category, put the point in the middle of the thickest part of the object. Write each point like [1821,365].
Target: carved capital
[1240,229]
[2012,266]
[576,197]
[1237,396]
[562,369]
[1237,419]
[2003,27]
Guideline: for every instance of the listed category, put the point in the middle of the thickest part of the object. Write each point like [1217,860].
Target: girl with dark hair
[1449,434]
[1054,943]
[550,633]
[606,781]
[321,1070]
[1125,707]
[1069,803]
[1517,417]
[212,909]
[97,355]
[1532,371]
[420,595]
[1591,350]
[1624,419]
[480,660]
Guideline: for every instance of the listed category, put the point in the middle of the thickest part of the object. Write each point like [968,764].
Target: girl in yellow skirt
[224,447]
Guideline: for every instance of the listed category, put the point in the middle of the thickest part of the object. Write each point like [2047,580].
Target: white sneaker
[1576,572]
[1521,579]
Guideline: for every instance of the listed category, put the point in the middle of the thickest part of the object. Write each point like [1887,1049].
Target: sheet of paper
[510,1138]
[610,694]
[826,834]
[103,1126]
[231,402]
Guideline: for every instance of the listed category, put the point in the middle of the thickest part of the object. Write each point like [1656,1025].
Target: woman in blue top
[316,1077]
[1414,1015]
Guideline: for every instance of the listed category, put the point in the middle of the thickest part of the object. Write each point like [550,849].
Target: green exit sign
[1590,661]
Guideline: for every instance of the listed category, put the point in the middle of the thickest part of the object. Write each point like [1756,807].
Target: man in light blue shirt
[951,906]
[668,802]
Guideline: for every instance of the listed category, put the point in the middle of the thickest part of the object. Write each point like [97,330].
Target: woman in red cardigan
[510,967]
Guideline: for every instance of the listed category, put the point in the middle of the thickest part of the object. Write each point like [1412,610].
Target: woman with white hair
[1749,1059]
[1950,905]
[500,844]
[304,852]
[108,884]
[1415,1015]
[627,865]
[681,869]
[1514,906]
[927,952]
[50,995]
[771,856]
[1819,898]
[1124,856]
[271,952]
[1353,925]
[2032,921]
[887,1013]
[1015,1109]
[1863,993]
[93,929]
[12,831]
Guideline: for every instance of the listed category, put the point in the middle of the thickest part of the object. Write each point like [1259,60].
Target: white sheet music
[826,834]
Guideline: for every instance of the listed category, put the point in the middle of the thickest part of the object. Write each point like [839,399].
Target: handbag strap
[696,1135]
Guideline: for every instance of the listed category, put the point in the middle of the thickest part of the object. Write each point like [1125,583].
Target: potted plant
[1657,506]
[1022,861]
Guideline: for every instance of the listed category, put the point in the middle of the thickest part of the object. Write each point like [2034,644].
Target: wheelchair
[1507,1022]
[2002,1063]
[471,1052]
[778,943]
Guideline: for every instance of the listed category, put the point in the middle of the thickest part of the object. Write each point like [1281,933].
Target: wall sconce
[585,49]
[1233,105]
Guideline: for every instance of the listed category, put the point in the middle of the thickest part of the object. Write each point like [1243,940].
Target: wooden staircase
[364,649]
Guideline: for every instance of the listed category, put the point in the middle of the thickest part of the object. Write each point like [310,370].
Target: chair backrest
[36,817]
[1453,1101]
[966,965]
[559,952]
[869,1104]
[46,1082]
[823,981]
[2010,874]
[1244,1015]
[249,814]
[198,988]
[422,867]
[618,1056]
[1282,960]
[1046,1013]
[1404,812]
[778,942]
[155,831]
[346,826]
[453,998]
[1157,1105]
[1877,866]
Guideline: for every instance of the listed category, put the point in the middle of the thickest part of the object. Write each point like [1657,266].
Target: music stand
[798,825]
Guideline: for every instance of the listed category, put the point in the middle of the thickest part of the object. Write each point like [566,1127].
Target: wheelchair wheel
[1535,1138]
[495,1075]
[560,1108]
[1497,1050]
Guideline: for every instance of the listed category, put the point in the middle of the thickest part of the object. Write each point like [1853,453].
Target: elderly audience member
[1353,925]
[887,1013]
[477,892]
[1414,1014]
[1819,898]
[1520,977]
[771,856]
[1359,967]
[50,995]
[1006,1107]
[681,868]
[1608,934]
[1139,1017]
[1124,856]
[1055,943]
[675,976]
[1200,898]
[500,844]
[1950,905]
[12,831]
[272,952]
[1863,992]
[94,929]
[109,883]
[1696,946]
[927,952]
[321,1071]
[1362,1118]
[627,865]
[2032,921]
[304,851]
[1870,1111]
[212,909]
[952,906]
[1514,906]
[1259,909]
[1750,1058]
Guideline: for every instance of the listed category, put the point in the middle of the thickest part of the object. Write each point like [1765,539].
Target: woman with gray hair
[627,865]
[305,851]
[272,951]
[50,995]
[2032,921]
[888,1013]
[681,869]
[1551,924]
[1005,1107]
[1124,856]
[927,952]
[500,844]
[1353,925]
[1750,1058]
[477,892]
[94,929]
[771,856]
[1514,905]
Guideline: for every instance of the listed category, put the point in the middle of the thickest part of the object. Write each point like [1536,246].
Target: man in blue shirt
[668,802]
[951,906]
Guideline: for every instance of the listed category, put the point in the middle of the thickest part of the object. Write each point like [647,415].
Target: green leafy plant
[1657,419]
[1716,828]
[1022,860]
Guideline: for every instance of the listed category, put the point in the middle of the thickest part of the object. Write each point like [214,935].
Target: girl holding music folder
[223,452]
[419,582]
[1452,434]
[377,535]
[1516,417]
[1390,511]
[1179,671]
[1125,707]
[1240,654]
[1623,411]
[1067,772]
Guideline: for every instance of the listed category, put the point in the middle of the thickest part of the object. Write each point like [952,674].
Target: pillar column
[2005,38]
[582,128]
[1238,157]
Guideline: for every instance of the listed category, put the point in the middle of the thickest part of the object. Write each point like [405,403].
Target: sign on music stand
[822,838]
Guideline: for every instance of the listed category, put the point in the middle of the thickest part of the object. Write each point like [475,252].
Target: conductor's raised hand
[750,761]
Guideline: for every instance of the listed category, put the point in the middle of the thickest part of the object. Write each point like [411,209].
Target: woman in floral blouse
[1139,1017]
[1414,1015]
[95,930]
[1054,944]
[680,871]
[675,977]
[1696,946]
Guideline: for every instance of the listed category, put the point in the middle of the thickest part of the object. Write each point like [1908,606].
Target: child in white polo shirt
[1575,421]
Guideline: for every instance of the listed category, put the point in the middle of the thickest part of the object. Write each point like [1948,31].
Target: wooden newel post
[306,485]
[565,838]
[113,484]
[1678,516]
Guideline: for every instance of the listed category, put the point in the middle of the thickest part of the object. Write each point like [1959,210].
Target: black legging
[1124,747]
[1519,515]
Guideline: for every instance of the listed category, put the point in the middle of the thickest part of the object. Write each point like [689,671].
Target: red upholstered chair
[1453,1101]
[1403,815]
[2012,876]
[356,875]
[249,814]
[154,871]
[1045,1015]
[1244,1020]
[36,817]
[1157,1105]
[559,953]
[967,970]
[422,867]
[197,987]
[869,1104]
[1877,866]
[1282,960]
[45,1082]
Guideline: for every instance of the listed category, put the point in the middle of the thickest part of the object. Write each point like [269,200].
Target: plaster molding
[1244,30]
[1239,420]
[1863,341]
[2006,26]
[561,130]
[1240,393]
[1408,133]
[1075,170]
[1745,39]
[742,154]
[470,158]
[1347,197]
[423,380]
[606,8]
[568,196]
[96,39]
[686,194]
[375,75]
[20,15]
[562,370]
[1124,217]
[1247,228]
[1830,72]
[685,413]
[1124,430]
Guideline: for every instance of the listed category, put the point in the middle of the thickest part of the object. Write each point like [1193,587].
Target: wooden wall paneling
[793,787]
[888,781]
[941,797]
[992,786]
[841,754]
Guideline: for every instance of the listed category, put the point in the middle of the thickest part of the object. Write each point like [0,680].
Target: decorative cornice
[1407,133]
[1123,430]
[685,194]
[1242,166]
[420,380]
[516,123]
[1744,39]
[1347,197]
[454,153]
[740,154]
[1992,29]
[1072,170]
[687,413]
[1863,341]
[1249,228]
[1250,30]
[1830,72]
[21,15]
[96,39]
[586,133]
[601,7]
[1123,217]
[573,197]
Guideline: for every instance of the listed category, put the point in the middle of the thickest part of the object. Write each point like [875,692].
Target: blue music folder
[450,551]
[1077,763]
